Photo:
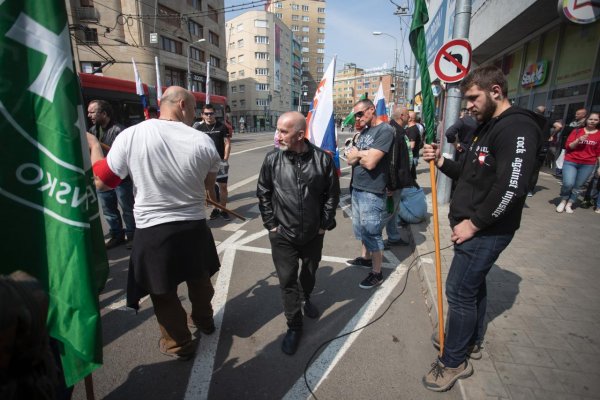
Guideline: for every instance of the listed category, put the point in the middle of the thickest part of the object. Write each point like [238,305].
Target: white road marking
[231,188]
[237,224]
[346,205]
[202,370]
[121,304]
[326,362]
[252,149]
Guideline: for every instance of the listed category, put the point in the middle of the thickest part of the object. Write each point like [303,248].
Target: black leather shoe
[291,341]
[310,310]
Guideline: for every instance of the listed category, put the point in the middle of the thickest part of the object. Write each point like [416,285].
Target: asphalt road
[242,359]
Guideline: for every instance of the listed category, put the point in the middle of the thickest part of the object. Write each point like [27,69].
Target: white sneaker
[561,207]
[568,209]
[597,211]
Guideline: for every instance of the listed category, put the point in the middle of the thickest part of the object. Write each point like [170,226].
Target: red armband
[103,172]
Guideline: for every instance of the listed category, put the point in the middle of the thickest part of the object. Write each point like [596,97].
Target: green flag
[48,205]
[349,120]
[419,49]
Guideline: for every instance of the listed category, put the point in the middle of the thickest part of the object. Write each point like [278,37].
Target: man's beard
[283,147]
[487,112]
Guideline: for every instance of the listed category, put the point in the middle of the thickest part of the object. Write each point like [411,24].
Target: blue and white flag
[379,102]
[139,90]
[320,119]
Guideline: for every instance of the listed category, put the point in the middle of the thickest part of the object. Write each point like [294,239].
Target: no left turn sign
[453,60]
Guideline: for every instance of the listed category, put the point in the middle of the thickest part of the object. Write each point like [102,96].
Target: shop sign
[579,11]
[535,74]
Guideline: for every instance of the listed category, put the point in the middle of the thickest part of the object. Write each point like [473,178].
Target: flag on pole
[208,82]
[320,119]
[379,102]
[49,209]
[139,89]
[418,46]
[350,120]
[158,82]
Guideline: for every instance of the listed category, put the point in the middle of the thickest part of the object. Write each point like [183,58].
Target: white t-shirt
[168,162]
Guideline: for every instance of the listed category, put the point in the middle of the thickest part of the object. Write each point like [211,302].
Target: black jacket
[494,175]
[298,193]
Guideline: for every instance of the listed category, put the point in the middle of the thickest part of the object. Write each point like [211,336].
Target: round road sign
[453,60]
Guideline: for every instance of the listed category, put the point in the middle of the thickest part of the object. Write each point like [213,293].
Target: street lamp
[189,72]
[377,33]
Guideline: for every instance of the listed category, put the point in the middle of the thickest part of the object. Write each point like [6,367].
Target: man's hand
[273,230]
[322,231]
[464,231]
[432,152]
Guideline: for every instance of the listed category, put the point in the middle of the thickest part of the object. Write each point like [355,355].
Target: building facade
[264,66]
[351,83]
[185,35]
[306,18]
[547,59]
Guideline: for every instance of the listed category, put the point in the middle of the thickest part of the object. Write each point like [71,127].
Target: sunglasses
[208,114]
[359,114]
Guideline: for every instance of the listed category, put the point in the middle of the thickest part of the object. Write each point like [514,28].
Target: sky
[348,32]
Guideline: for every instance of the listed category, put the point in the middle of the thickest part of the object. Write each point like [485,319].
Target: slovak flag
[139,89]
[320,120]
[379,102]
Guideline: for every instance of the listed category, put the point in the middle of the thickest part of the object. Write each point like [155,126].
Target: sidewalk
[543,311]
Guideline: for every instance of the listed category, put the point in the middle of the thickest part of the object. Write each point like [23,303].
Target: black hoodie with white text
[494,175]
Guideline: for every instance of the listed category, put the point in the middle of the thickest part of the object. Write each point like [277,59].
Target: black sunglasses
[209,113]
[359,114]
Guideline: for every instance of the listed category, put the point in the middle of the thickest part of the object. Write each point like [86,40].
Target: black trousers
[286,257]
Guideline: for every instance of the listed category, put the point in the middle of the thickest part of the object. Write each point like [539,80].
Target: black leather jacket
[298,193]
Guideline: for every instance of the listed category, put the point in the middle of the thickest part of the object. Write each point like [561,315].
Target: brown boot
[441,378]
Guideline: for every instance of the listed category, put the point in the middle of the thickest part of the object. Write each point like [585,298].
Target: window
[305,29]
[278,5]
[305,39]
[197,4]
[215,61]
[169,16]
[261,39]
[241,73]
[196,54]
[321,10]
[241,58]
[295,28]
[90,66]
[279,15]
[213,14]
[262,87]
[321,41]
[262,102]
[320,70]
[320,60]
[305,18]
[233,103]
[305,59]
[240,43]
[295,17]
[86,3]
[175,77]
[195,29]
[170,45]
[295,7]
[305,49]
[242,88]
[262,71]
[304,8]
[90,35]
[261,55]
[321,20]
[232,60]
[233,89]
[242,103]
[321,30]
[213,38]
[261,23]
[321,51]
[240,27]
[232,75]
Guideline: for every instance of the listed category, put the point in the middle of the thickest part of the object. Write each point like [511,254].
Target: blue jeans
[368,214]
[122,196]
[413,206]
[467,294]
[392,224]
[573,177]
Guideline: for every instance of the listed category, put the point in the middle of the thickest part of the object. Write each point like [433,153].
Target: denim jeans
[574,176]
[392,224]
[467,294]
[413,206]
[122,196]
[368,216]
[286,255]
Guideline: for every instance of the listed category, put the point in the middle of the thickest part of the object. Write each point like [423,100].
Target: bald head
[178,104]
[291,128]
[540,110]
[296,119]
[400,115]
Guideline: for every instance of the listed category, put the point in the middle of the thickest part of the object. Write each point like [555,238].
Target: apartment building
[185,35]
[264,66]
[352,82]
[306,18]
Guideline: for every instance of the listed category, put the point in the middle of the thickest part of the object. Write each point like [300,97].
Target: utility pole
[412,82]
[462,21]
